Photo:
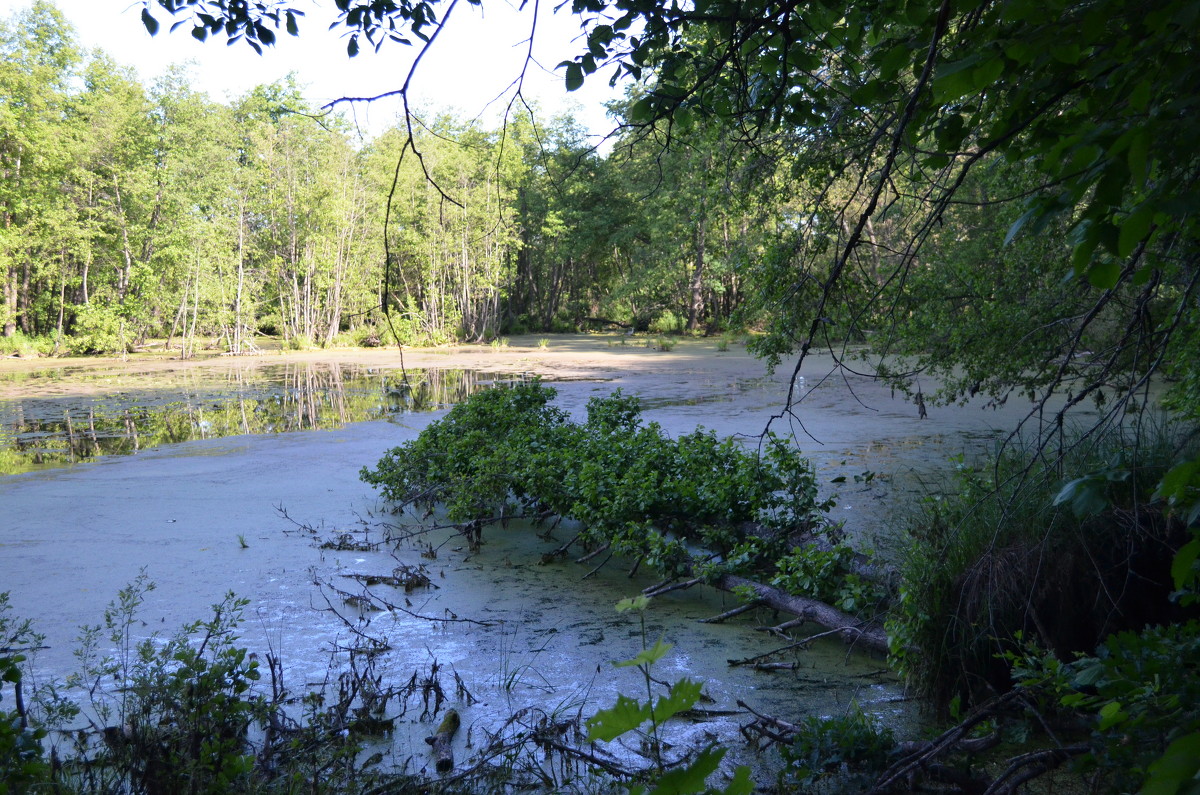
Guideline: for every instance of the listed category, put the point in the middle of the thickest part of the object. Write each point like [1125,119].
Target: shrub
[26,346]
[508,452]
[666,323]
[1140,692]
[851,747]
[299,342]
[98,329]
[22,759]
[1011,553]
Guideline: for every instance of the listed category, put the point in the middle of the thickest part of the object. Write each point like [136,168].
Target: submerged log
[852,630]
[443,753]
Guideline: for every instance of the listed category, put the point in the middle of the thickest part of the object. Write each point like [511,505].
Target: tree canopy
[895,117]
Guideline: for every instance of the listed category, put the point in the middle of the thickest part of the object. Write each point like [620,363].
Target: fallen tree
[696,509]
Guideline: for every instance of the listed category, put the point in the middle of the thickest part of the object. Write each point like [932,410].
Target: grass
[996,559]
[25,346]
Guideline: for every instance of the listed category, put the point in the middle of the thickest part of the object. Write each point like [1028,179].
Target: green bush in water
[509,452]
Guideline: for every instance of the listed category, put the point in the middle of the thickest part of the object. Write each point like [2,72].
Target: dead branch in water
[852,630]
[737,611]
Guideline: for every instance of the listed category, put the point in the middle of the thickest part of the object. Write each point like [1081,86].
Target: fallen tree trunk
[851,629]
[443,753]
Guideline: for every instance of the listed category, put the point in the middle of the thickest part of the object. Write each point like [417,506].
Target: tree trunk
[853,631]
[443,753]
[696,305]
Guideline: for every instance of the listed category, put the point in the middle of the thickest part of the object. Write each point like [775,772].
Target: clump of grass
[299,342]
[661,343]
[543,343]
[242,541]
[1009,552]
[499,343]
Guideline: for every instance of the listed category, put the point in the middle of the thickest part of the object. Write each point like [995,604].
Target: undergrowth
[1064,553]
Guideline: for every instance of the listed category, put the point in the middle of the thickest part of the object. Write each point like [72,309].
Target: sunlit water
[52,431]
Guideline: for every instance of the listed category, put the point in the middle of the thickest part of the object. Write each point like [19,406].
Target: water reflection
[38,433]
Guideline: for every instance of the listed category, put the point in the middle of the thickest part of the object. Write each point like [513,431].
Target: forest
[990,201]
[135,213]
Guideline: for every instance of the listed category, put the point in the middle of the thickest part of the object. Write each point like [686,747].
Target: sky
[473,61]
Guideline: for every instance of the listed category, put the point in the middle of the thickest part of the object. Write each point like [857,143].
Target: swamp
[824,419]
[253,488]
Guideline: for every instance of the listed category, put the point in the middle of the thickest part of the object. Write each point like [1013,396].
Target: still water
[53,431]
[211,457]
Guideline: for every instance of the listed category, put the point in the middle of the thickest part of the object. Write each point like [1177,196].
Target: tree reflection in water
[39,433]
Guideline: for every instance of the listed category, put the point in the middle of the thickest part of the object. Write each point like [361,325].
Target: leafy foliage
[850,747]
[1011,551]
[508,452]
[186,706]
[22,758]
[628,715]
[1141,693]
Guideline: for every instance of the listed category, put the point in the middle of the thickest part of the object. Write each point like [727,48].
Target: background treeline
[130,212]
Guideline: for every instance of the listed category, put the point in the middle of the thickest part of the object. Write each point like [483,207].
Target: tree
[39,57]
[902,102]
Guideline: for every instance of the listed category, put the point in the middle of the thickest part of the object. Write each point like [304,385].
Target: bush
[98,329]
[22,757]
[851,747]
[1140,692]
[180,721]
[1011,553]
[508,452]
[299,342]
[25,346]
[666,323]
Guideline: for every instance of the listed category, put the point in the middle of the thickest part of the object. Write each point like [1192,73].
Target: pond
[200,509]
[129,415]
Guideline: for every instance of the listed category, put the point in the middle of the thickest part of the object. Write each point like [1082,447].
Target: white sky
[474,60]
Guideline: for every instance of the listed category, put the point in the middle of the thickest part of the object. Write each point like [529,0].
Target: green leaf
[1089,675]
[638,603]
[1180,479]
[988,73]
[648,656]
[150,22]
[1177,770]
[741,784]
[574,76]
[1086,496]
[1139,98]
[1104,274]
[894,61]
[642,110]
[684,695]
[690,779]
[1182,565]
[1019,224]
[1066,53]
[1111,715]
[1138,157]
[1134,230]
[609,724]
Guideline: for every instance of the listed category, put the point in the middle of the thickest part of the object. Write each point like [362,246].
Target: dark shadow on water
[39,433]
